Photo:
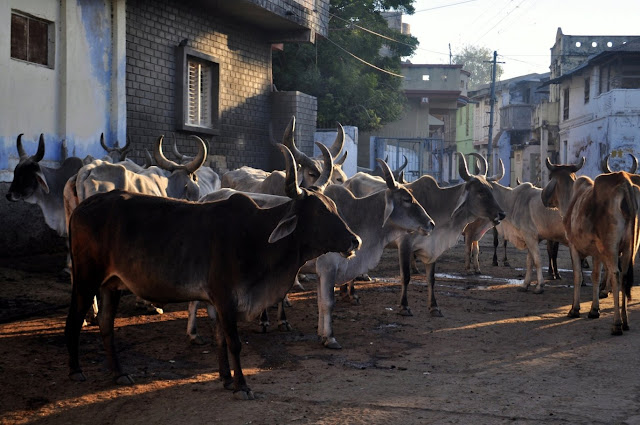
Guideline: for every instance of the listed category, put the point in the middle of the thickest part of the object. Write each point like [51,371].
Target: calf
[232,254]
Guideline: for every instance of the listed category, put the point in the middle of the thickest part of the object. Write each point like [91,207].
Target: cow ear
[286,226]
[388,206]
[461,201]
[43,181]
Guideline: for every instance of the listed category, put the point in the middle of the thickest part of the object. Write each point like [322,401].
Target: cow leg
[475,257]
[505,260]
[434,310]
[535,255]
[527,275]
[109,300]
[552,253]
[468,254]
[348,292]
[405,255]
[495,246]
[604,286]
[80,303]
[594,313]
[577,279]
[283,324]
[326,302]
[149,307]
[192,327]
[616,283]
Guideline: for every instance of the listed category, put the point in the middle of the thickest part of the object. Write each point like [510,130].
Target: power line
[362,60]
[497,23]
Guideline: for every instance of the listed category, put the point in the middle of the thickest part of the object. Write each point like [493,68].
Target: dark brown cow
[232,254]
[601,220]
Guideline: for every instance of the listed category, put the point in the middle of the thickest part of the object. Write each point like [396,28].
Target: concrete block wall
[304,107]
[154,29]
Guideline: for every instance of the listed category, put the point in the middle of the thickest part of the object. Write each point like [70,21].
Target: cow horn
[388,175]
[174,147]
[289,141]
[40,153]
[605,164]
[338,143]
[386,158]
[634,166]
[325,177]
[550,166]
[482,161]
[200,158]
[404,165]
[104,146]
[518,182]
[161,160]
[579,165]
[125,150]
[499,175]
[148,159]
[462,168]
[21,151]
[291,187]
[342,159]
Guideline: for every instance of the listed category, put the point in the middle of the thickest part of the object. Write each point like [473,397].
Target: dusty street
[497,356]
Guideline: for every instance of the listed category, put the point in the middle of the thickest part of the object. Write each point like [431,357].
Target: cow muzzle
[499,218]
[356,243]
[426,230]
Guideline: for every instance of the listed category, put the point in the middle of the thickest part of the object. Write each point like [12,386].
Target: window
[565,107]
[198,91]
[587,82]
[425,77]
[32,39]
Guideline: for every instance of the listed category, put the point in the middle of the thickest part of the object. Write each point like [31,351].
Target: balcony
[515,117]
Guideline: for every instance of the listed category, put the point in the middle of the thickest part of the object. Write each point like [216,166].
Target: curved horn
[148,160]
[634,166]
[291,187]
[338,143]
[325,177]
[518,182]
[289,141]
[200,158]
[388,174]
[484,166]
[104,146]
[161,160]
[386,158]
[125,150]
[174,147]
[605,164]
[342,159]
[462,168]
[500,174]
[550,166]
[21,151]
[403,166]
[579,165]
[40,153]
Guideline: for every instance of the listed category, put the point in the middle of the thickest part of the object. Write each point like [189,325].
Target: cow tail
[631,195]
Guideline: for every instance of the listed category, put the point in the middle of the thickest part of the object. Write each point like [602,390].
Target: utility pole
[450,56]
[492,102]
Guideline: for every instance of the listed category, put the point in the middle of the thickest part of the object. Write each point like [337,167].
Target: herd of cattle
[177,232]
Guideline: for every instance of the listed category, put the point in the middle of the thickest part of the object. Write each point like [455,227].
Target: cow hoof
[364,278]
[155,310]
[197,340]
[435,313]
[477,272]
[495,264]
[77,376]
[538,290]
[331,343]
[405,311]
[263,328]
[616,329]
[574,313]
[593,314]
[285,327]
[506,264]
[625,327]
[355,300]
[244,395]
[124,380]
[603,294]
[523,288]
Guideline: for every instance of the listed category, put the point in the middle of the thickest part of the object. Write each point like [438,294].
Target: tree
[348,90]
[478,61]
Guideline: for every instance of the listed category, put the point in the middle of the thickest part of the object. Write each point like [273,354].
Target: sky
[521,31]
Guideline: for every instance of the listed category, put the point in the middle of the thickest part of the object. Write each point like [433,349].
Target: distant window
[462,84]
[565,107]
[587,88]
[425,77]
[32,39]
[604,84]
[444,77]
[198,86]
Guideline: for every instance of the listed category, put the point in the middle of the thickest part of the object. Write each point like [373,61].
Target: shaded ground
[498,356]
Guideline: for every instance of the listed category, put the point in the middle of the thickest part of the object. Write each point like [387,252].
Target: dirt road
[497,356]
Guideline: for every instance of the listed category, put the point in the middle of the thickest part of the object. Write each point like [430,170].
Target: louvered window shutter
[199,102]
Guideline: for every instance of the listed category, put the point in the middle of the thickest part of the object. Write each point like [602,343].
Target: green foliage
[349,91]
[477,60]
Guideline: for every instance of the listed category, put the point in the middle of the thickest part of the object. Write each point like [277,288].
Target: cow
[452,209]
[248,179]
[601,220]
[378,219]
[397,173]
[232,254]
[43,186]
